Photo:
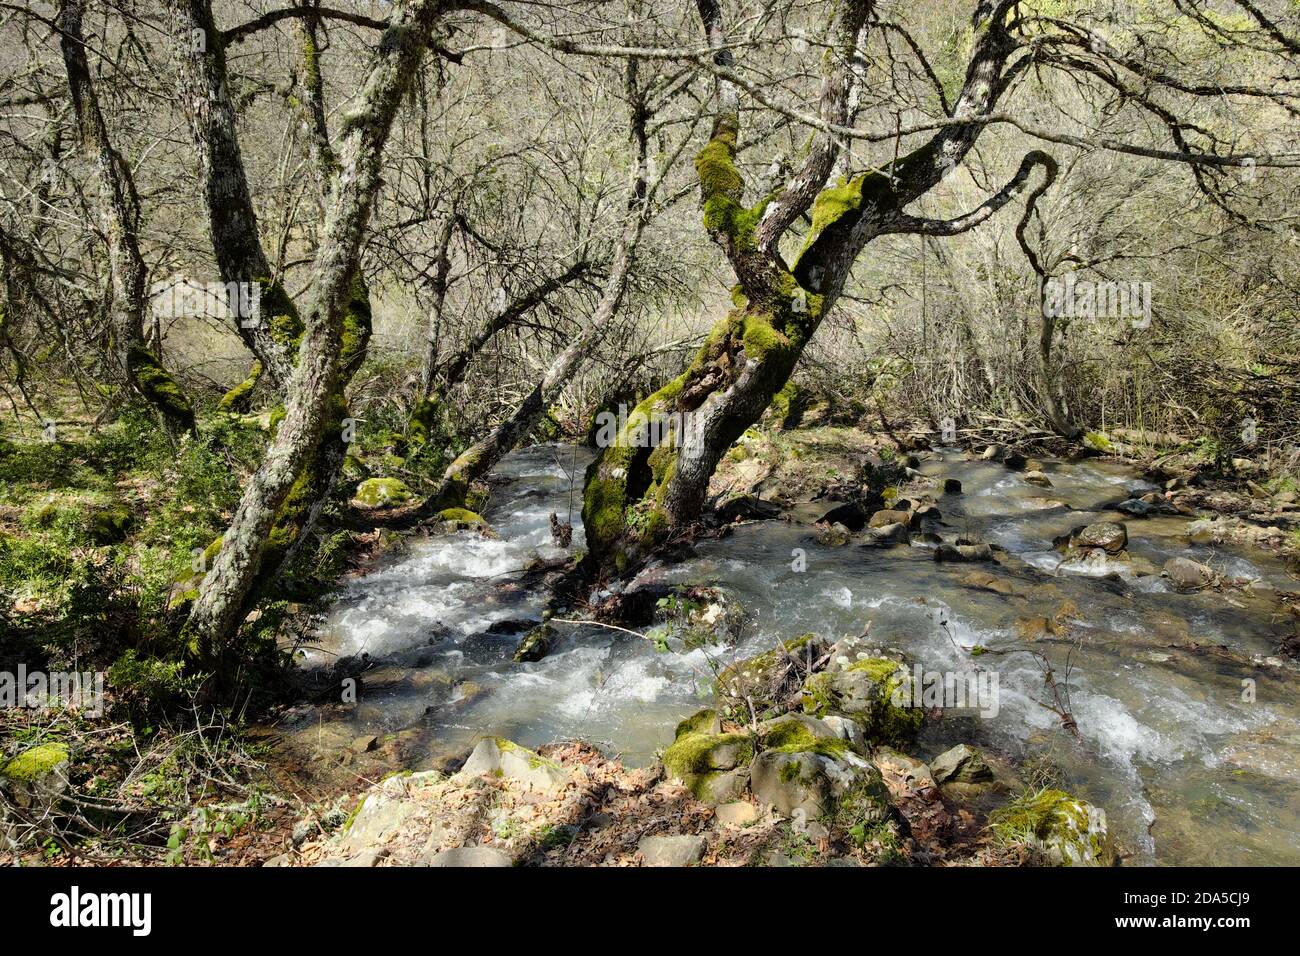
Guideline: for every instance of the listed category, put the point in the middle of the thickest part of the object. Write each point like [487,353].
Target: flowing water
[1191,766]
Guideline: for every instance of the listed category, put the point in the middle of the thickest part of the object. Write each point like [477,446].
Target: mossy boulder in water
[381,493]
[1056,828]
[869,688]
[462,519]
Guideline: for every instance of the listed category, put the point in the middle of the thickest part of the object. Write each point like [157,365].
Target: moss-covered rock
[36,762]
[36,777]
[713,765]
[535,645]
[1056,827]
[873,691]
[109,525]
[462,519]
[381,493]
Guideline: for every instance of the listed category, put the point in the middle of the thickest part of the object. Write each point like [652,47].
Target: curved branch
[963,223]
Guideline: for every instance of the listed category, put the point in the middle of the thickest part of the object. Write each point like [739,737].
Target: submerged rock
[1038,478]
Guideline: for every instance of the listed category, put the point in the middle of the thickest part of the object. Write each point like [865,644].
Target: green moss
[382,493]
[425,421]
[696,722]
[886,721]
[35,762]
[693,753]
[535,645]
[1053,820]
[159,388]
[461,516]
[239,398]
[1098,441]
[110,525]
[792,737]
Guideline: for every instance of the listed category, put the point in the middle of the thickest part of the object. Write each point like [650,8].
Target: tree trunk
[312,391]
[273,335]
[119,210]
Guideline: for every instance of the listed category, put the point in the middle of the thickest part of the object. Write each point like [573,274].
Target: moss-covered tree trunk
[313,388]
[654,476]
[119,210]
[274,334]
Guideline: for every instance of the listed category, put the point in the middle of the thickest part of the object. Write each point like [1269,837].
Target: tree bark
[119,210]
[639,490]
[312,392]
[204,86]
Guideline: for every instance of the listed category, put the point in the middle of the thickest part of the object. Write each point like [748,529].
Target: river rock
[987,582]
[889,516]
[378,818]
[887,535]
[963,552]
[951,486]
[714,766]
[499,757]
[1038,478]
[1109,536]
[873,691]
[1014,460]
[794,783]
[851,515]
[671,850]
[1057,828]
[833,535]
[1187,575]
[471,856]
[961,764]
[1134,507]
[737,814]
[747,507]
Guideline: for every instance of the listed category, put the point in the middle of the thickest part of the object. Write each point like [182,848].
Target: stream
[1191,767]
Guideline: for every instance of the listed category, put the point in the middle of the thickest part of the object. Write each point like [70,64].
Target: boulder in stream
[1188,575]
[1055,828]
[961,764]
